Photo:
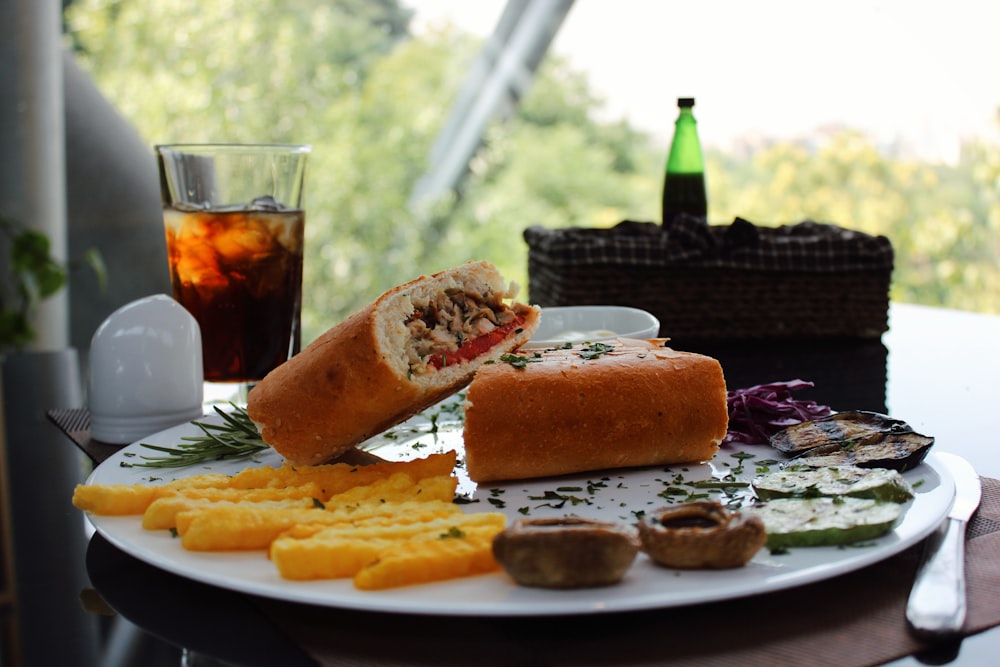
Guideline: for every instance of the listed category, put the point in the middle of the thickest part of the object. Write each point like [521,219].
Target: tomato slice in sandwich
[471,349]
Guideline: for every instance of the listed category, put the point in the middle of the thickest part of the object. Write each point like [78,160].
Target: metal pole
[32,141]
[496,82]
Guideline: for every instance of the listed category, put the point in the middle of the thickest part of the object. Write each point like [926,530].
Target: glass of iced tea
[234,221]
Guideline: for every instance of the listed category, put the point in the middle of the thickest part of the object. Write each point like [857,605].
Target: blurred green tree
[941,219]
[348,77]
[345,77]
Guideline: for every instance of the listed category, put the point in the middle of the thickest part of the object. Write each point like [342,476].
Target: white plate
[614,495]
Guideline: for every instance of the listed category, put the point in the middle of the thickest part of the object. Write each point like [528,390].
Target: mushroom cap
[701,535]
[566,553]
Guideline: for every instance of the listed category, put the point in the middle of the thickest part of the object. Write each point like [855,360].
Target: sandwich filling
[455,326]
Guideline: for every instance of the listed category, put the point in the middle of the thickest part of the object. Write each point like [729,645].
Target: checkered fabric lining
[806,246]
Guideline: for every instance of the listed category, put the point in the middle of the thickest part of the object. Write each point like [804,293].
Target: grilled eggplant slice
[799,482]
[901,452]
[855,427]
[856,438]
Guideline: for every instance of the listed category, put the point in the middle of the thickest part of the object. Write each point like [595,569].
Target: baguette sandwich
[413,346]
[593,406]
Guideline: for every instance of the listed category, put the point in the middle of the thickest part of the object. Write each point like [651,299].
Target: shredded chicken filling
[448,322]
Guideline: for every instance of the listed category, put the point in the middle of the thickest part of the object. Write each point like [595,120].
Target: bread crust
[641,404]
[352,383]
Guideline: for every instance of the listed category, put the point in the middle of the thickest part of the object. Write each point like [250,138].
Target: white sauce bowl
[577,324]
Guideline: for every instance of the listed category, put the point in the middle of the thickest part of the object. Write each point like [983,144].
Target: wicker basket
[721,282]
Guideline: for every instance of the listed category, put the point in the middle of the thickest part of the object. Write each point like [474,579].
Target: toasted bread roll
[591,407]
[413,346]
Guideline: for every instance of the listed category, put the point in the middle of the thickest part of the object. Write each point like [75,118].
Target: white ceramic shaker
[145,370]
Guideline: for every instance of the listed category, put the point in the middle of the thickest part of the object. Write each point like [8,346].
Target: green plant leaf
[31,261]
[32,276]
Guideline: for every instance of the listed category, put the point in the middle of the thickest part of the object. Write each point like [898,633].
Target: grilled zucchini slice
[802,482]
[810,522]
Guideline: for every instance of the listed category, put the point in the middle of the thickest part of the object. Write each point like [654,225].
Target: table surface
[934,368]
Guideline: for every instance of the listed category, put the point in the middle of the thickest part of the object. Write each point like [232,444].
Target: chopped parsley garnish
[595,350]
[558,500]
[519,360]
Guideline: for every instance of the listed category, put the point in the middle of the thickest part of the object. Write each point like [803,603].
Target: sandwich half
[413,346]
[593,406]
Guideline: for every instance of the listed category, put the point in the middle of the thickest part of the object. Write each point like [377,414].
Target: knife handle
[936,607]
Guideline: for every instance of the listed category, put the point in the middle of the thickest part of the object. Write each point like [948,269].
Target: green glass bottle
[684,182]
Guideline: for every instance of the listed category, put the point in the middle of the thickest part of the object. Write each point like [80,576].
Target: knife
[936,608]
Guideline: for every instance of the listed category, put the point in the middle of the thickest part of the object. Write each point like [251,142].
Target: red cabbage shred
[756,413]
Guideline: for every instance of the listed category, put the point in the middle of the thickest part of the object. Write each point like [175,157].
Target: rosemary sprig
[236,438]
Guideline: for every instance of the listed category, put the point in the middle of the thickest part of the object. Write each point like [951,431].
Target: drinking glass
[234,221]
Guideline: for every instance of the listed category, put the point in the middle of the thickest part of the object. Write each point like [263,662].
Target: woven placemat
[75,423]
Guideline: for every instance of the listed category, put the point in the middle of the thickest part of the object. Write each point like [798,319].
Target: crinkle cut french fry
[425,523]
[235,527]
[424,560]
[304,560]
[387,524]
[267,476]
[164,513]
[114,499]
[333,552]
[308,490]
[432,465]
[336,478]
[128,499]
[212,480]
[241,529]
[395,488]
[228,527]
[394,514]
[238,527]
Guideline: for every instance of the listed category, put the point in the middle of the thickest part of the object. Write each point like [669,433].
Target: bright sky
[924,72]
